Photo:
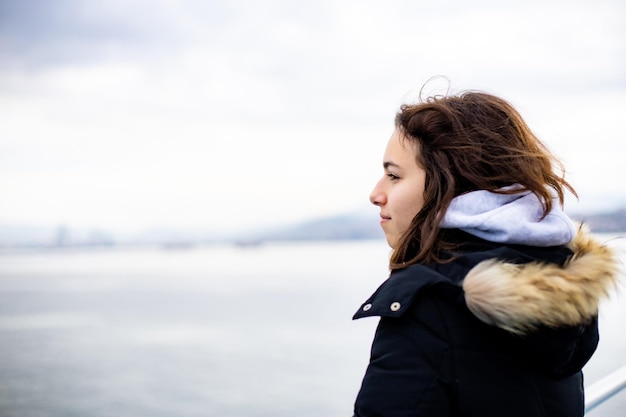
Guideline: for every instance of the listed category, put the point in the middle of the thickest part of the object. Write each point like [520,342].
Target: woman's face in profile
[400,191]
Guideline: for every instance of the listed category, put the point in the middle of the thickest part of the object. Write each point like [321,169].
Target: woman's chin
[391,242]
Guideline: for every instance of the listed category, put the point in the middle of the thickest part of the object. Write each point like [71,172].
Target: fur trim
[520,298]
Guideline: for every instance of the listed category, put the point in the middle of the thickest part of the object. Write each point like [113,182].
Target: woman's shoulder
[398,292]
[517,288]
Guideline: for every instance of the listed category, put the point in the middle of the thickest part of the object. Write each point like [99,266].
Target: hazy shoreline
[351,226]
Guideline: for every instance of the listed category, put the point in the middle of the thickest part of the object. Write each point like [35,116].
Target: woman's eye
[392,177]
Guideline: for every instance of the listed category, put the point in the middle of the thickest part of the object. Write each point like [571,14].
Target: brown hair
[467,142]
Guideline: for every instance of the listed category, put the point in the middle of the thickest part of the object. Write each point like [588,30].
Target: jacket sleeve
[409,372]
[564,351]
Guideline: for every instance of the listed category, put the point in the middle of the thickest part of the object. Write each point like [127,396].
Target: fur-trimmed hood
[521,297]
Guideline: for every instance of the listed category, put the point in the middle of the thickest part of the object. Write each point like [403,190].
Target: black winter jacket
[502,331]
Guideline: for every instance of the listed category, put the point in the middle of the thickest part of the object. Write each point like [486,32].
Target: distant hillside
[346,227]
[611,222]
[352,226]
[341,227]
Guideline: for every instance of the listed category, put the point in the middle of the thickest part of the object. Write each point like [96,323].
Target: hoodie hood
[509,218]
[522,297]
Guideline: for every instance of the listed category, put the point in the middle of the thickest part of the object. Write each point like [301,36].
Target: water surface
[207,331]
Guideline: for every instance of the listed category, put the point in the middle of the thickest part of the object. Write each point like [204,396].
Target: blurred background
[122,117]
[184,217]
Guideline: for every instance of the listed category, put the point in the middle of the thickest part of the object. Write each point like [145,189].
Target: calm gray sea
[208,331]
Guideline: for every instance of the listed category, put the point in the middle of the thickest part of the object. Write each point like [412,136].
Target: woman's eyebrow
[388,164]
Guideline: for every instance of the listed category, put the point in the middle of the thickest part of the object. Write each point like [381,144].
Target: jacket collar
[517,288]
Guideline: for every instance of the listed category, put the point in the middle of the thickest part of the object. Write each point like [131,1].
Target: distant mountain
[359,226]
[340,227]
[610,222]
[351,226]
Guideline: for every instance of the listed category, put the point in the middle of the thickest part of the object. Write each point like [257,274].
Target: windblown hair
[468,142]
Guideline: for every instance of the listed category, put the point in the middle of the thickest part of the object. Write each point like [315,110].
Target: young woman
[491,306]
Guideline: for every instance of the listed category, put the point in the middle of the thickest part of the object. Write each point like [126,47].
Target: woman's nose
[377,196]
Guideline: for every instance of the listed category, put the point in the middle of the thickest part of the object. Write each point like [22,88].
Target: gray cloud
[40,33]
[97,97]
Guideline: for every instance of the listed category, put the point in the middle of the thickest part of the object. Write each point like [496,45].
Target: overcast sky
[224,115]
